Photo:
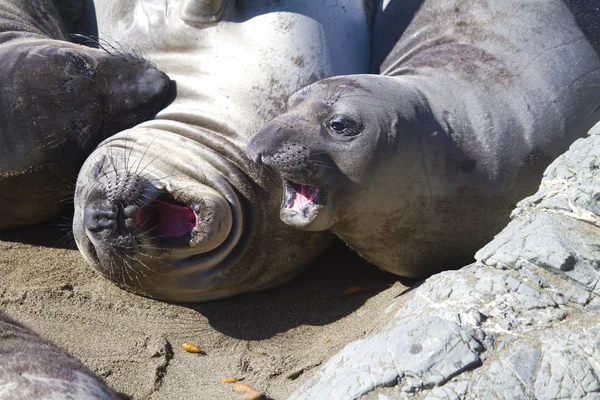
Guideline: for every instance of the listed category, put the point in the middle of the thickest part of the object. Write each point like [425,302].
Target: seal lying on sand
[58,100]
[420,166]
[172,209]
[32,368]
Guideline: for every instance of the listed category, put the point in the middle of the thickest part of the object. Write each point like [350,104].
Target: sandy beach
[272,340]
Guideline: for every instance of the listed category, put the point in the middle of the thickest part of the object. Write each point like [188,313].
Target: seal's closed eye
[79,63]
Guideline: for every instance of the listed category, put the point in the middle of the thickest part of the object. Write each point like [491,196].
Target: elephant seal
[58,100]
[172,209]
[33,368]
[418,167]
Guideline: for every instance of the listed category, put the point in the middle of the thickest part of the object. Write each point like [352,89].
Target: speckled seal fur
[419,166]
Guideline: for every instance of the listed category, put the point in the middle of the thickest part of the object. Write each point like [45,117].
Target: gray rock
[432,350]
[521,322]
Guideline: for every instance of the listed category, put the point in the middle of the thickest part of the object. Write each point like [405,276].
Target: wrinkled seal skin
[58,100]
[33,368]
[172,209]
[418,167]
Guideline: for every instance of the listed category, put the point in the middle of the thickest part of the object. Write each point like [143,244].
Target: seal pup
[172,209]
[58,100]
[33,368]
[418,167]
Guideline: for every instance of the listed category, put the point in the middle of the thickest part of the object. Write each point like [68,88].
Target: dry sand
[273,340]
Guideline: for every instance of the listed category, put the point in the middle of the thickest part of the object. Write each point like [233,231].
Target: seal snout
[290,157]
[155,86]
[287,157]
[132,89]
[268,142]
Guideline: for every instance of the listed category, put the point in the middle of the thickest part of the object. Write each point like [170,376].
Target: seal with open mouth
[58,100]
[173,209]
[418,167]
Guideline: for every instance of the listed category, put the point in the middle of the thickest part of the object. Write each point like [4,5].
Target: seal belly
[241,71]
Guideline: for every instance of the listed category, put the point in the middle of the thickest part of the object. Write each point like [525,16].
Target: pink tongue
[169,220]
[305,195]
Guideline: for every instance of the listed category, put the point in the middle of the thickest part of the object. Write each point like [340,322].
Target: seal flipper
[35,368]
[201,12]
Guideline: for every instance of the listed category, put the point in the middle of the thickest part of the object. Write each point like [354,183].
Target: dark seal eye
[344,126]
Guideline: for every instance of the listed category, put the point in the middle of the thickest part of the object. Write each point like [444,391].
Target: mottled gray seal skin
[58,100]
[173,209]
[33,368]
[418,167]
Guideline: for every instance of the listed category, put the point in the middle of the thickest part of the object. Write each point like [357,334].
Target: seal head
[329,146]
[59,100]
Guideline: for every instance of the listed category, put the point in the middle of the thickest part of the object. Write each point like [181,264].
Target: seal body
[58,100]
[419,166]
[33,368]
[172,209]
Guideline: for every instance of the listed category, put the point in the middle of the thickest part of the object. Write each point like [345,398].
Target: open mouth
[165,219]
[301,202]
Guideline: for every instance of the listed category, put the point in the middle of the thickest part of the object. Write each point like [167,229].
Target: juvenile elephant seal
[418,167]
[172,209]
[33,368]
[58,100]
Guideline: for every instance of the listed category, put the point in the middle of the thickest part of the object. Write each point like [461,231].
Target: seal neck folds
[131,215]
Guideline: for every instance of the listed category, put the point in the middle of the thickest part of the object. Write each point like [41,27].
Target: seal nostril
[96,221]
[253,153]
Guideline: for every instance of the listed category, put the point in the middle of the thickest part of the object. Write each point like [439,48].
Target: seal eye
[344,126]
[337,125]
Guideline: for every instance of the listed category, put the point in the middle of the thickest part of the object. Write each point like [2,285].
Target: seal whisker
[111,159]
[127,269]
[322,165]
[150,162]
[272,176]
[86,40]
[156,258]
[140,262]
[128,154]
[135,272]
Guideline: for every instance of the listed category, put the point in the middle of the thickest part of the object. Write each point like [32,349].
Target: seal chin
[305,207]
